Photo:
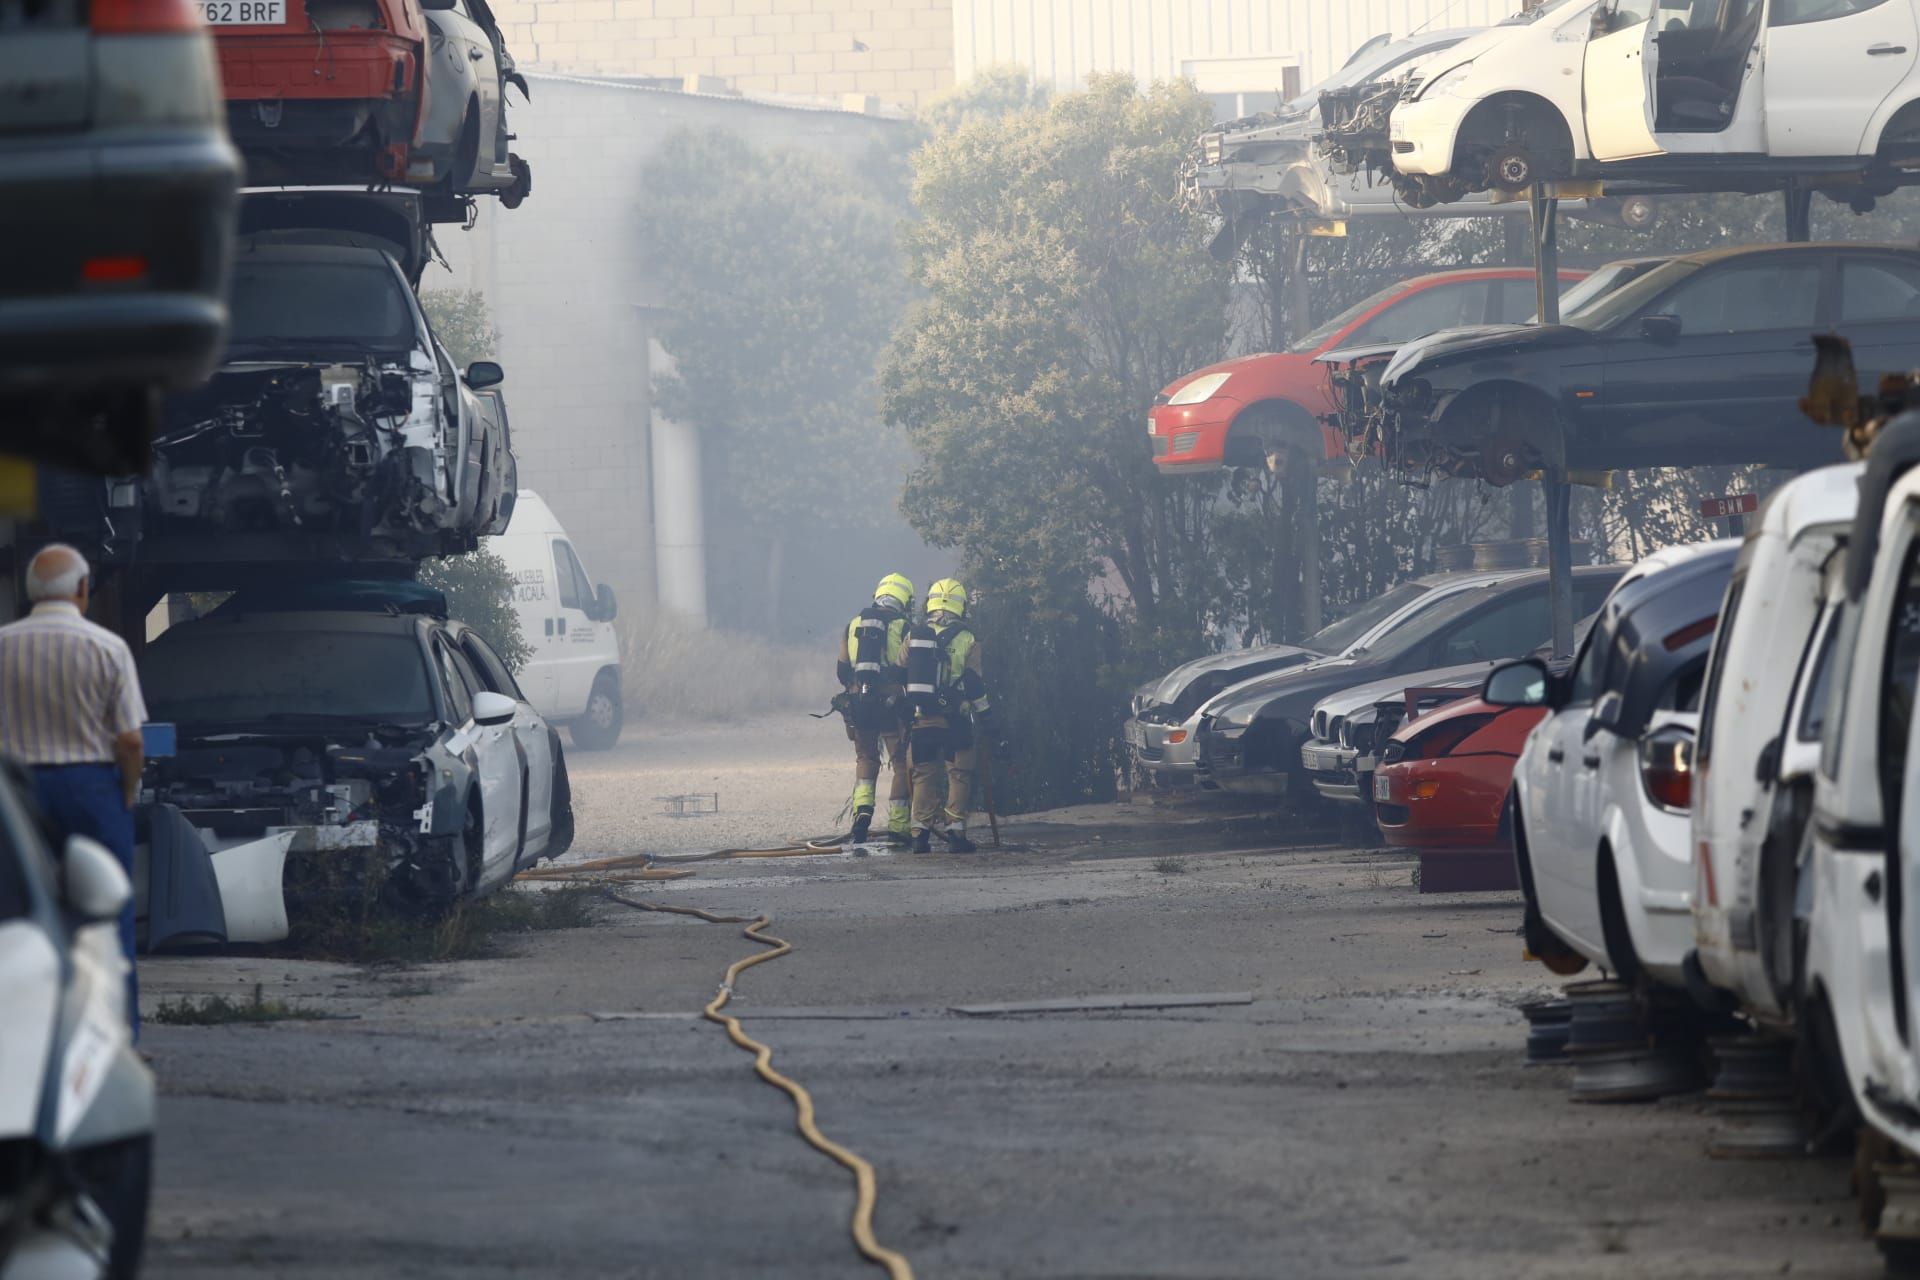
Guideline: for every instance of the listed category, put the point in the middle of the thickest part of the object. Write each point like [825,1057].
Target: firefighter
[950,710]
[873,660]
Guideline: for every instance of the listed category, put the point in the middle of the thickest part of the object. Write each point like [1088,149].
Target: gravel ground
[799,778]
[564,1110]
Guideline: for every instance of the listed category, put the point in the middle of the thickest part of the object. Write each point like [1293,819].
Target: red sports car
[1234,413]
[1443,779]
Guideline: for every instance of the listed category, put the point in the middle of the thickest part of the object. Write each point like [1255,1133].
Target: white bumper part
[249,876]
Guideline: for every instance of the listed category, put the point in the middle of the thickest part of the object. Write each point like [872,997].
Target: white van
[574,674]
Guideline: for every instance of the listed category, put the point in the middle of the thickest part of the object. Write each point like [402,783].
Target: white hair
[56,572]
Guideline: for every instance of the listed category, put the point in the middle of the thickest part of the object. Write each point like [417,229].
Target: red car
[1443,779]
[322,90]
[1234,413]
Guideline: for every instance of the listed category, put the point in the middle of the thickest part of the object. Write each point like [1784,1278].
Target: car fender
[453,780]
[1908,95]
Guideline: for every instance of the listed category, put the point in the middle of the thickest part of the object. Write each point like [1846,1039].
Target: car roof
[1650,626]
[1821,246]
[1824,496]
[1483,273]
[356,620]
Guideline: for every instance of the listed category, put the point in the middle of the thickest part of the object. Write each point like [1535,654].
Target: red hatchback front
[1237,412]
[1443,778]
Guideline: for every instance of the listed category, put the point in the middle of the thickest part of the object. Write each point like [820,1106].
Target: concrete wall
[900,51]
[565,289]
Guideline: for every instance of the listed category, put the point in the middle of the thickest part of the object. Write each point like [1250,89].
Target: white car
[1862,962]
[76,1101]
[346,738]
[1654,87]
[1602,789]
[1759,745]
[566,618]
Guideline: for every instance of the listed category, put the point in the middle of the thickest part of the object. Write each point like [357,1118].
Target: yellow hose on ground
[865,1188]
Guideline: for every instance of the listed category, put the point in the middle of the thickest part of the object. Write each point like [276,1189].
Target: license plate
[1134,735]
[243,13]
[1383,789]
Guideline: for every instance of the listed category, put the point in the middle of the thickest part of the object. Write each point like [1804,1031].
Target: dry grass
[673,671]
[219,1010]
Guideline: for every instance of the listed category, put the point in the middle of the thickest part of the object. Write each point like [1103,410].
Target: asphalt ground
[563,1110]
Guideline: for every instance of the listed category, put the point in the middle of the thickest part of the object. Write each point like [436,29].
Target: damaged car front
[317,761]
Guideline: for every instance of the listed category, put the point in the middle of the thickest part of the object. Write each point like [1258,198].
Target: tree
[479,591]
[1064,287]
[781,283]
[460,320]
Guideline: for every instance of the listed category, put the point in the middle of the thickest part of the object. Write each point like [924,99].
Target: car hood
[1477,341]
[1475,47]
[1239,364]
[1291,692]
[1175,682]
[1348,701]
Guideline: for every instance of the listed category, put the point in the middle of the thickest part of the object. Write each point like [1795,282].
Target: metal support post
[1799,212]
[1546,277]
[1560,562]
[1308,491]
[1546,252]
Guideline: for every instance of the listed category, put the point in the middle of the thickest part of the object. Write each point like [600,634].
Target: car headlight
[1199,389]
[1446,80]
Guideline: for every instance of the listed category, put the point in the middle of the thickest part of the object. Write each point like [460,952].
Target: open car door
[1618,75]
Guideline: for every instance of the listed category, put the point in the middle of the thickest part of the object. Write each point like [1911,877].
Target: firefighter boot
[923,841]
[862,823]
[956,838]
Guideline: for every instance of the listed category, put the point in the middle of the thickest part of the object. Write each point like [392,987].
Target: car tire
[119,1178]
[561,838]
[1614,930]
[1542,943]
[598,728]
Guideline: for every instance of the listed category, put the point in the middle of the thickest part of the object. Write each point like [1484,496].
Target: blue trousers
[87,800]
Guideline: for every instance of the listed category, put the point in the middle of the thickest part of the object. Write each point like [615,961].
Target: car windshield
[1423,626]
[1338,637]
[1313,340]
[1589,291]
[206,672]
[1612,308]
[1527,16]
[276,303]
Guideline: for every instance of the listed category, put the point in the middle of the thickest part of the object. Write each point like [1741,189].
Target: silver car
[1162,734]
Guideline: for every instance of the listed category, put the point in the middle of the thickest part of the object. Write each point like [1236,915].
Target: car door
[496,765]
[1878,311]
[535,739]
[577,657]
[1563,841]
[1735,368]
[484,73]
[1617,75]
[1830,66]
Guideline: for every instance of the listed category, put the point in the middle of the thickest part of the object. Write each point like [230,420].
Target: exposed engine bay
[350,813]
[348,448]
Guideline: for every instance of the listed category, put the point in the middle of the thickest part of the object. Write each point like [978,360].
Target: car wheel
[1614,931]
[561,838]
[119,1178]
[1542,943]
[599,728]
[1510,169]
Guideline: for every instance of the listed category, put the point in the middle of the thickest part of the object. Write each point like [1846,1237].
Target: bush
[479,591]
[677,671]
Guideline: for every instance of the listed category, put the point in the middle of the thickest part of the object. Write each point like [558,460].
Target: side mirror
[492,708]
[1606,713]
[482,374]
[1602,22]
[1660,328]
[93,882]
[1526,683]
[605,607]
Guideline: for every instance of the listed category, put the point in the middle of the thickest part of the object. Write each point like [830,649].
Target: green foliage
[781,283]
[218,1010]
[1064,287]
[460,320]
[479,591]
[991,93]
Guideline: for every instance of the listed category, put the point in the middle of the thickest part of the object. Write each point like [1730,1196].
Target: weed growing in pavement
[469,931]
[218,1010]
[1170,866]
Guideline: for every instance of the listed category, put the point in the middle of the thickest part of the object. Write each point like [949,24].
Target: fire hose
[865,1184]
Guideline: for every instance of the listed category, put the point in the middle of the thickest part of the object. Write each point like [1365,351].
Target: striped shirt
[68,688]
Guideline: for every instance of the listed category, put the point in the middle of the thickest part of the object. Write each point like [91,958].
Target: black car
[1701,361]
[117,188]
[1251,735]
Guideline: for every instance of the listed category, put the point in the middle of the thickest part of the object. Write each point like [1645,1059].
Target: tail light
[145,17]
[1666,768]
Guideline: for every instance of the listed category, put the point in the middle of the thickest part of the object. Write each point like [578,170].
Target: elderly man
[70,709]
